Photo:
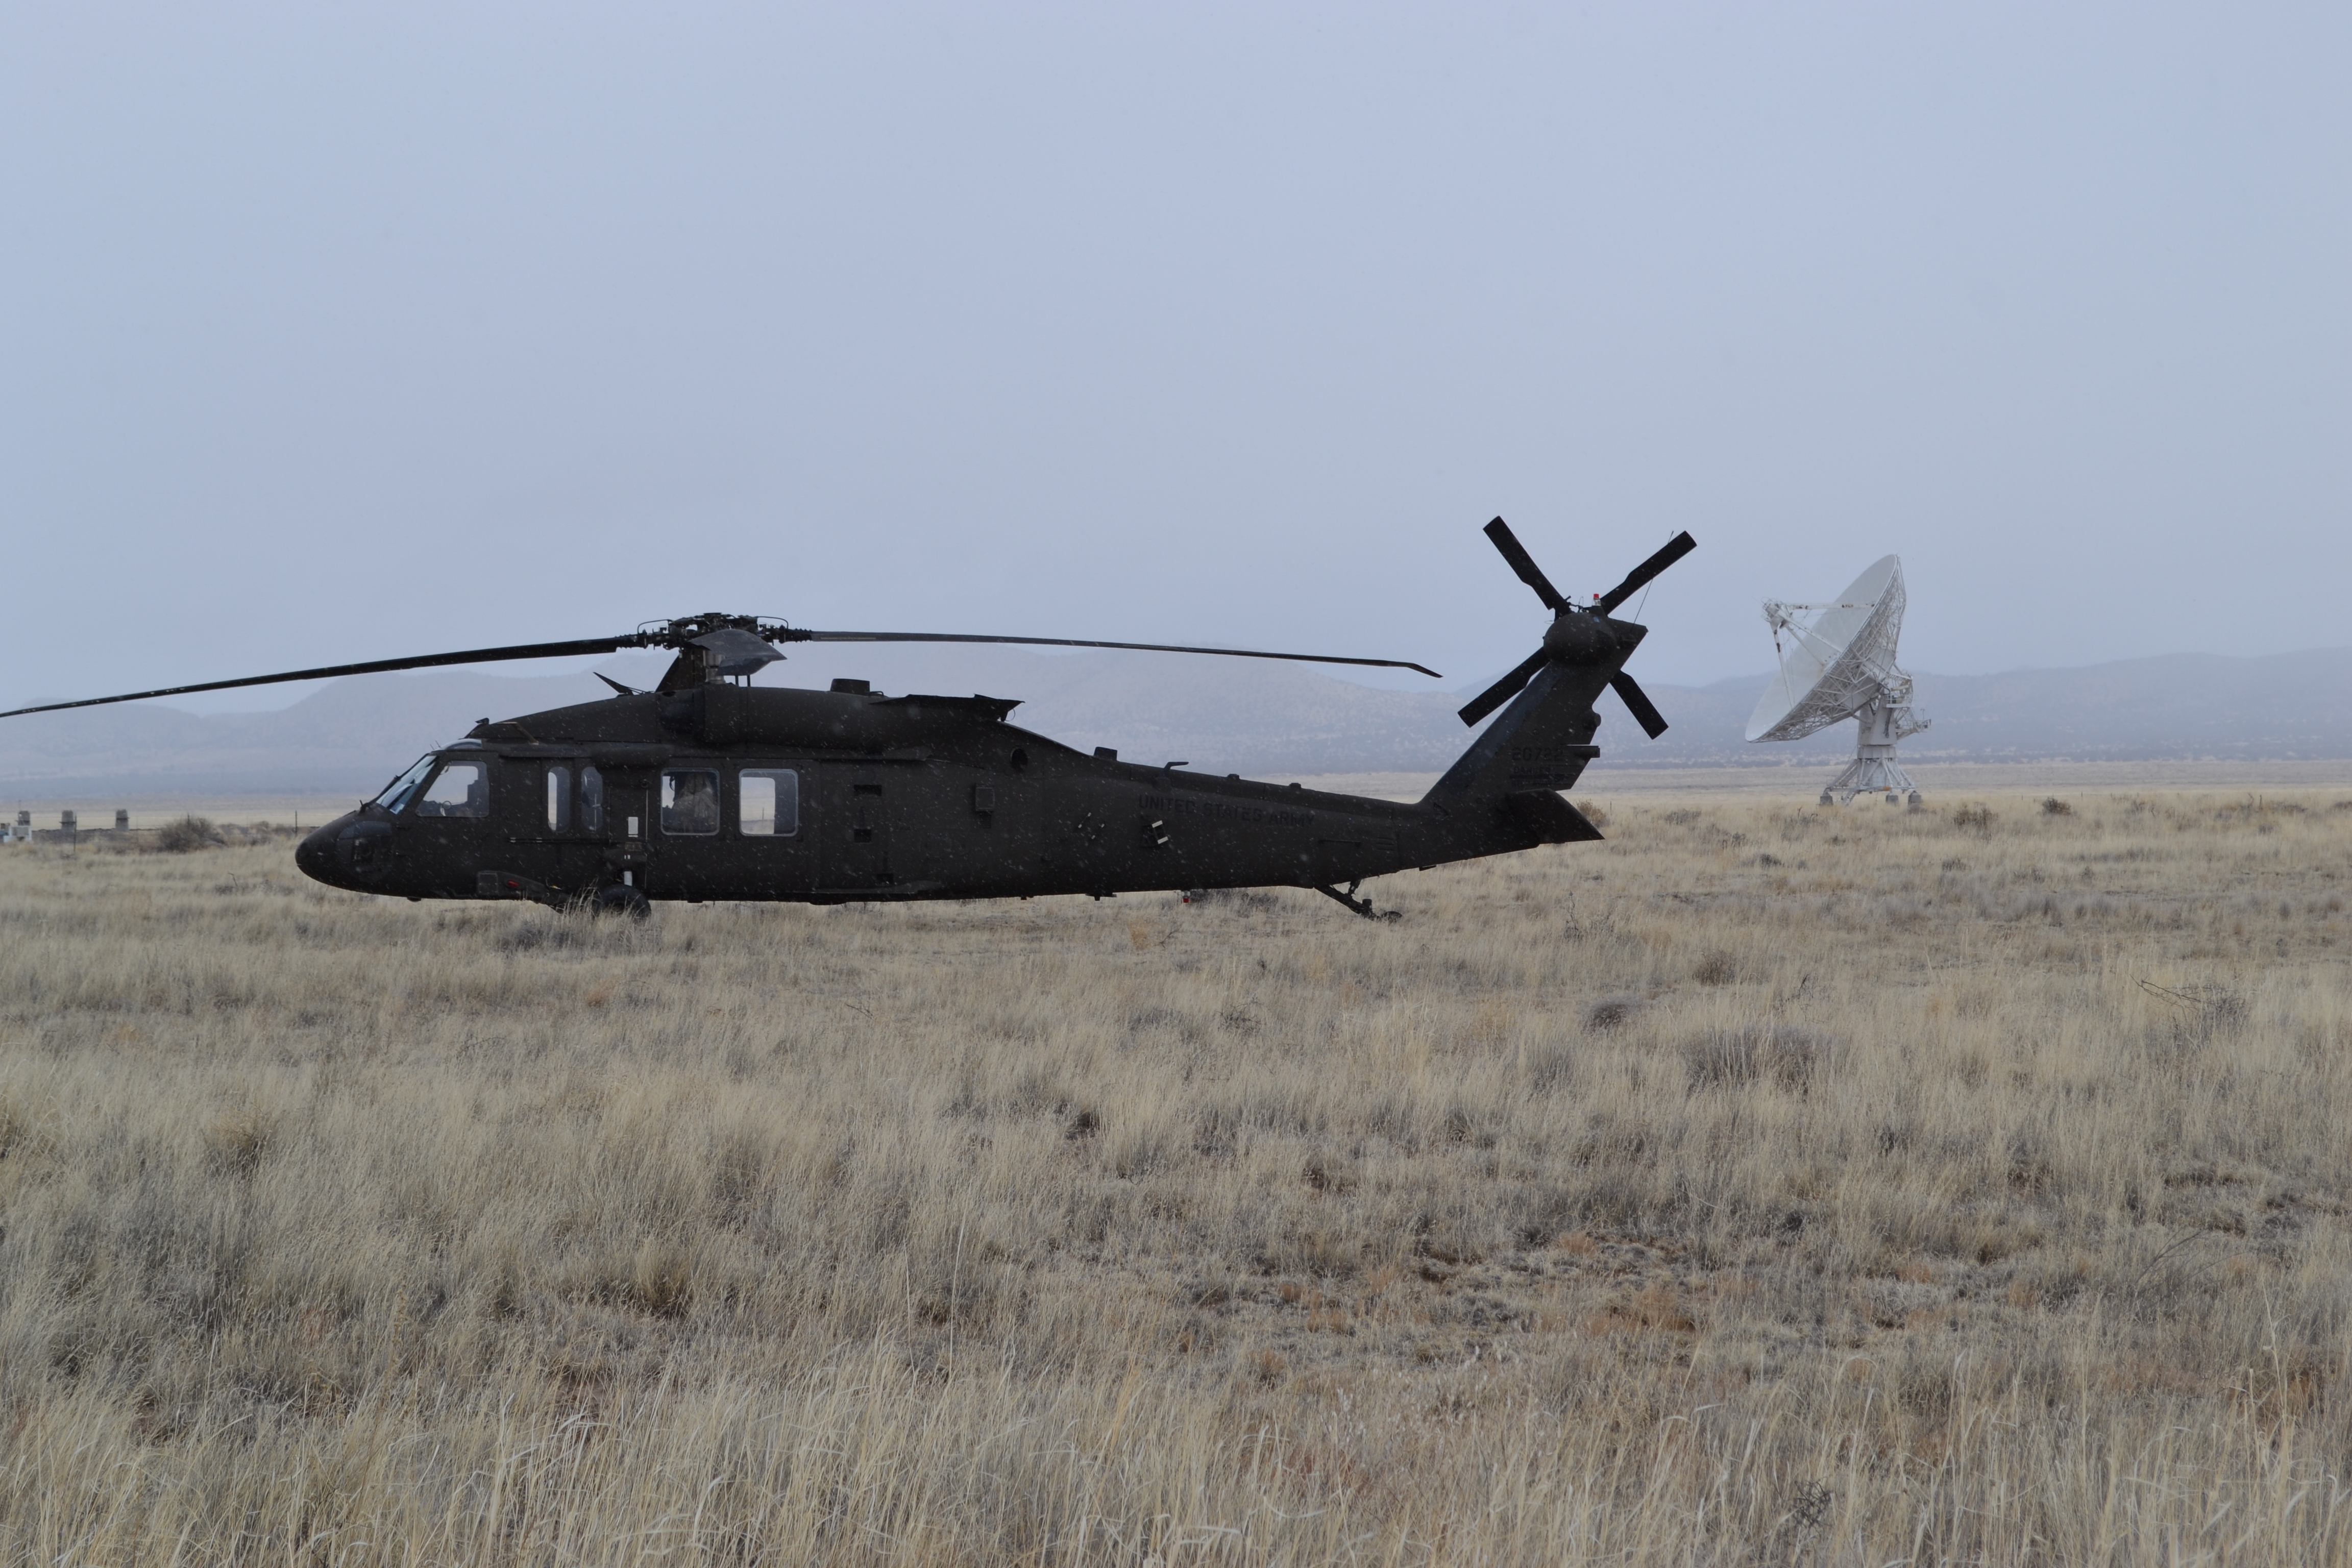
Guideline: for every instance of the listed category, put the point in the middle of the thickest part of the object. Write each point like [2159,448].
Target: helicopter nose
[315,855]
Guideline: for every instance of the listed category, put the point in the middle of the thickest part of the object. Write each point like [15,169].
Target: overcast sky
[332,332]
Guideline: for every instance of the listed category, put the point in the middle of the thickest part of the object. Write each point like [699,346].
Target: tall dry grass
[1768,1183]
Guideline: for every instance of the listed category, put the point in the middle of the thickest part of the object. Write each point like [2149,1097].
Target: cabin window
[689,801]
[403,790]
[592,800]
[459,789]
[768,802]
[558,800]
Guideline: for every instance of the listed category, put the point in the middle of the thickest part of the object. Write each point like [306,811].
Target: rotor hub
[1580,637]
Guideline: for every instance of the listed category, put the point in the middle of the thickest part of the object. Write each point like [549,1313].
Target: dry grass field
[1772,1184]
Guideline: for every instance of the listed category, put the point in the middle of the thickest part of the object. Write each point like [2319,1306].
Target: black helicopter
[710,788]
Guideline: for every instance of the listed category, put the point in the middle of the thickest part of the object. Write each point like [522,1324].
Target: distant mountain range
[1238,715]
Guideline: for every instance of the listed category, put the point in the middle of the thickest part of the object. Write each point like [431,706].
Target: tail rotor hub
[1586,638]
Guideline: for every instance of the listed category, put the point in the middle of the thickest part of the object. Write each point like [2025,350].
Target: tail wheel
[618,900]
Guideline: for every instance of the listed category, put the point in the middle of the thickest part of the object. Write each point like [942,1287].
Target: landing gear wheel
[618,900]
[1914,800]
[1826,797]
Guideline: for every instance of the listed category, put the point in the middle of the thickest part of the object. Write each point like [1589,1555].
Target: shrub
[1718,968]
[2053,806]
[188,833]
[1612,1012]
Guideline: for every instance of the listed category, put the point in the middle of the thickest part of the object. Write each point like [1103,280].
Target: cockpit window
[401,790]
[459,789]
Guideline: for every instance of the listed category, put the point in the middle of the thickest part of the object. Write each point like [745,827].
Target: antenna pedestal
[1874,770]
[1871,775]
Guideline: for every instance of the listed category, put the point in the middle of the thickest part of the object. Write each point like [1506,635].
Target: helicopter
[710,788]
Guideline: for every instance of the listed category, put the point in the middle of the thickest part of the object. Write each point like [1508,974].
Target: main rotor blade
[375,667]
[639,639]
[1637,703]
[1524,564]
[1680,545]
[796,634]
[1502,690]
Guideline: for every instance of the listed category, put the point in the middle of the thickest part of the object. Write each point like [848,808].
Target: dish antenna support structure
[1840,664]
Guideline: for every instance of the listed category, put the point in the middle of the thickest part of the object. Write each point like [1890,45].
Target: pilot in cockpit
[694,807]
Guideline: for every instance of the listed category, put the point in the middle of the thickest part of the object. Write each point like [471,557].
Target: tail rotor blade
[1637,703]
[1502,690]
[1504,539]
[1682,544]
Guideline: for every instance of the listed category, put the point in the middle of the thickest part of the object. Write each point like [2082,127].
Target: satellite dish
[1840,664]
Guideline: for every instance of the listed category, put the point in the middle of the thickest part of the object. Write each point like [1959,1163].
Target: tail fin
[1541,741]
[1537,747]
